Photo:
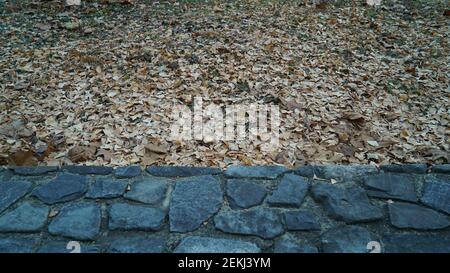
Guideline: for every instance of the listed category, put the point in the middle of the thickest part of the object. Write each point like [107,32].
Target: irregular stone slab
[436,194]
[350,205]
[416,243]
[345,173]
[347,239]
[27,217]
[150,190]
[197,244]
[181,171]
[78,220]
[405,215]
[5,175]
[268,172]
[135,244]
[290,192]
[65,187]
[245,194]
[37,170]
[307,171]
[405,168]
[86,170]
[194,201]
[442,168]
[391,186]
[287,244]
[300,220]
[135,217]
[107,188]
[12,191]
[63,246]
[127,172]
[18,243]
[261,222]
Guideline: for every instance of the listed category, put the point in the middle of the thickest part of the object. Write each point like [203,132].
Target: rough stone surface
[347,239]
[86,170]
[136,244]
[27,217]
[436,194]
[78,220]
[12,191]
[442,168]
[39,170]
[194,201]
[5,175]
[18,243]
[405,168]
[181,171]
[135,217]
[127,172]
[61,246]
[197,244]
[391,186]
[300,220]
[405,215]
[307,171]
[287,244]
[245,194]
[149,190]
[106,188]
[346,204]
[265,223]
[416,243]
[64,187]
[345,173]
[290,192]
[268,172]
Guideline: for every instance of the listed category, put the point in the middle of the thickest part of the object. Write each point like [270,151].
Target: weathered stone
[86,170]
[350,205]
[64,187]
[135,244]
[345,173]
[5,175]
[63,246]
[442,168]
[78,220]
[261,222]
[127,172]
[135,217]
[181,171]
[290,192]
[106,188]
[405,168]
[347,239]
[12,191]
[38,170]
[245,194]
[194,201]
[416,243]
[150,190]
[405,215]
[18,243]
[287,244]
[300,220]
[391,186]
[268,172]
[27,217]
[307,171]
[197,244]
[436,194]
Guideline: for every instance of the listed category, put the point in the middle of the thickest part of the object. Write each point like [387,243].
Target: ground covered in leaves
[96,84]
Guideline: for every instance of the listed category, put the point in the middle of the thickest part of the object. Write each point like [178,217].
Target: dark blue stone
[197,244]
[63,246]
[287,244]
[416,243]
[18,243]
[442,168]
[124,216]
[268,172]
[27,217]
[346,239]
[391,186]
[181,171]
[38,170]
[405,215]
[149,190]
[12,191]
[127,172]
[436,193]
[405,168]
[107,188]
[87,170]
[290,192]
[135,244]
[243,193]
[300,220]
[65,187]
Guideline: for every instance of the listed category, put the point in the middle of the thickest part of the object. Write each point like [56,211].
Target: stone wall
[397,208]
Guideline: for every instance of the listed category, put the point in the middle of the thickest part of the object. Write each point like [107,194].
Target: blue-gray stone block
[416,243]
[135,244]
[65,187]
[11,191]
[267,172]
[436,193]
[107,188]
[27,217]
[18,243]
[290,192]
[300,220]
[243,193]
[405,168]
[149,190]
[38,170]
[287,244]
[346,239]
[87,170]
[391,186]
[127,172]
[405,215]
[124,216]
[197,244]
[181,171]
